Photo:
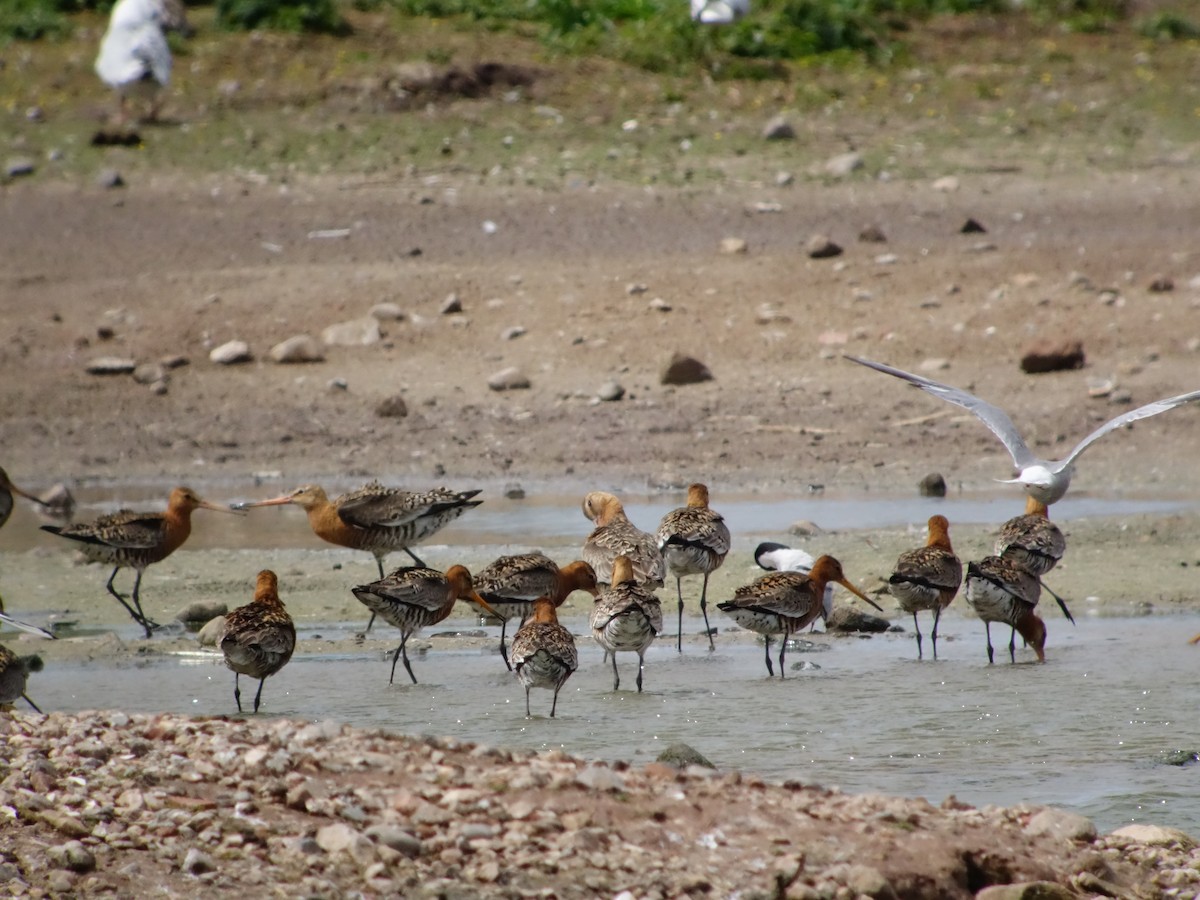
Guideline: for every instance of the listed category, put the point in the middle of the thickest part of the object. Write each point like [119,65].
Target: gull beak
[857,593]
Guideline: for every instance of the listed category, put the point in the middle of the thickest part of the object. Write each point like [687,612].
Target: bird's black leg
[554,704]
[404,654]
[1062,604]
[1012,646]
[258,696]
[237,692]
[641,665]
[528,714]
[987,627]
[704,612]
[937,617]
[770,669]
[395,657]
[917,626]
[31,703]
[503,647]
[141,616]
[782,651]
[679,634]
[129,609]
[617,675]
[416,559]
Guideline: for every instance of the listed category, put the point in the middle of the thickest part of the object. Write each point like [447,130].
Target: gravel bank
[110,803]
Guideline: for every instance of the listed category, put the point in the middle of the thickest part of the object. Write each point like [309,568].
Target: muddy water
[1089,731]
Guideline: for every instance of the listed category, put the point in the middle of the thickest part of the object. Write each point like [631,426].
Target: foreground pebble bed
[122,804]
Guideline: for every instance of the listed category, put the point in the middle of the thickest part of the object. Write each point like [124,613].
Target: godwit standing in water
[613,536]
[136,540]
[14,672]
[7,489]
[693,540]
[626,617]
[927,577]
[259,637]
[1035,543]
[543,653]
[781,558]
[1045,479]
[786,602]
[414,597]
[375,518]
[511,584]
[999,590]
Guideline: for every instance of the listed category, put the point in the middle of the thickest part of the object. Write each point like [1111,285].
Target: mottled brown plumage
[136,540]
[626,617]
[14,674]
[1000,590]
[414,597]
[786,602]
[927,577]
[543,652]
[693,540]
[1035,543]
[613,536]
[259,638]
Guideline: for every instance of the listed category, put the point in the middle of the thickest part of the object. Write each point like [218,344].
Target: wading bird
[693,540]
[14,674]
[543,652]
[1035,543]
[613,536]
[414,597]
[1046,480]
[786,602]
[259,637]
[136,540]
[999,590]
[626,617]
[781,558]
[927,577]
[134,59]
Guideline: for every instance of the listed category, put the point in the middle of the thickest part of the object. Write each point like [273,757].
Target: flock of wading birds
[620,565]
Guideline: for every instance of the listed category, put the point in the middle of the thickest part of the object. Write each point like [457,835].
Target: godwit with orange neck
[543,653]
[14,674]
[1000,590]
[613,536]
[626,617]
[259,638]
[1035,543]
[786,602]
[136,540]
[1045,479]
[927,577]
[415,597]
[693,540]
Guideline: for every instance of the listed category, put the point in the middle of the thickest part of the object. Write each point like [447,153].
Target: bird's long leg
[679,633]
[503,647]
[528,714]
[371,621]
[770,669]
[31,703]
[704,612]
[129,609]
[617,675]
[416,559]
[1062,604]
[395,657]
[783,650]
[146,623]
[554,703]
[237,692]
[1012,646]
[917,626]
[258,696]
[937,617]
[987,627]
[641,665]
[404,654]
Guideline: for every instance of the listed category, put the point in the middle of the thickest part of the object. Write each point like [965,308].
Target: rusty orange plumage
[259,638]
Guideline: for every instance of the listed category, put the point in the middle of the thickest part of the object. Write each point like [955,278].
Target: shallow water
[1086,731]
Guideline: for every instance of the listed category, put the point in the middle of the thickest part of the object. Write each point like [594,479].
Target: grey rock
[1156,835]
[611,390]
[19,167]
[353,333]
[392,408]
[300,348]
[512,333]
[61,882]
[231,353]
[336,837]
[510,379]
[820,246]
[872,234]
[210,635]
[932,485]
[514,491]
[779,129]
[387,312]
[805,528]
[1056,355]
[197,863]
[843,164]
[111,365]
[732,246]
[784,179]
[972,226]
[683,755]
[396,838]
[109,179]
[1063,824]
[868,881]
[683,369]
[201,611]
[1029,890]
[600,778]
[149,373]
[847,618]
[1161,284]
[72,855]
[451,305]
[174,361]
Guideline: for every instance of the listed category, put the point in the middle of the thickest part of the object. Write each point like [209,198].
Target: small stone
[202,611]
[658,304]
[868,881]
[392,407]
[1052,356]
[19,167]
[600,778]
[197,863]
[514,491]
[872,234]
[819,246]
[635,288]
[336,838]
[512,333]
[61,882]
[849,619]
[1061,823]
[932,485]
[805,528]
[1161,285]
[972,226]
[109,179]
[173,361]
[231,353]
[338,384]
[1029,890]
[67,824]
[934,364]
[111,365]
[353,333]
[682,370]
[779,129]
[387,312]
[683,755]
[1156,835]
[72,855]
[732,246]
[610,391]
[396,838]
[784,179]
[451,305]
[947,185]
[510,379]
[149,373]
[210,635]
[301,348]
[843,164]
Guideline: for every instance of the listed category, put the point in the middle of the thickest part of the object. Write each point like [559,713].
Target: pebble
[779,128]
[392,407]
[300,348]
[682,369]
[202,611]
[19,167]
[510,379]
[512,333]
[451,305]
[820,246]
[111,365]
[109,179]
[733,246]
[197,863]
[387,312]
[149,373]
[362,332]
[231,353]
[843,164]
[932,485]
[610,391]
[72,855]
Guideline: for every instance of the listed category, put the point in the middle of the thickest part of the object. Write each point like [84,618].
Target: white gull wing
[1142,412]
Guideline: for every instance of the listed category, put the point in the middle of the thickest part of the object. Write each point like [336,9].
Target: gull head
[1043,483]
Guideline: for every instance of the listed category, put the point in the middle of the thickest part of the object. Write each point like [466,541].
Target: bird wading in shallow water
[693,540]
[786,602]
[626,617]
[781,558]
[259,638]
[377,519]
[1035,543]
[1046,480]
[999,590]
[543,653]
[613,536]
[415,597]
[14,675]
[136,540]
[927,578]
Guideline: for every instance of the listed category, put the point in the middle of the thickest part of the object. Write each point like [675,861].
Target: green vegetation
[312,16]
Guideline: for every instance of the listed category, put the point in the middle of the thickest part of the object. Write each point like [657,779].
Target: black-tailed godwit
[1035,543]
[693,540]
[626,617]
[136,540]
[613,536]
[258,638]
[543,652]
[999,590]
[781,558]
[927,577]
[14,674]
[414,597]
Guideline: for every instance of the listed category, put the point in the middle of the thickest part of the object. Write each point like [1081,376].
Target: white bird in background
[1046,480]
[134,56]
[719,12]
[781,558]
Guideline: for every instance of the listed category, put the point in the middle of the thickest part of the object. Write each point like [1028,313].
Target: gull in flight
[1046,480]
